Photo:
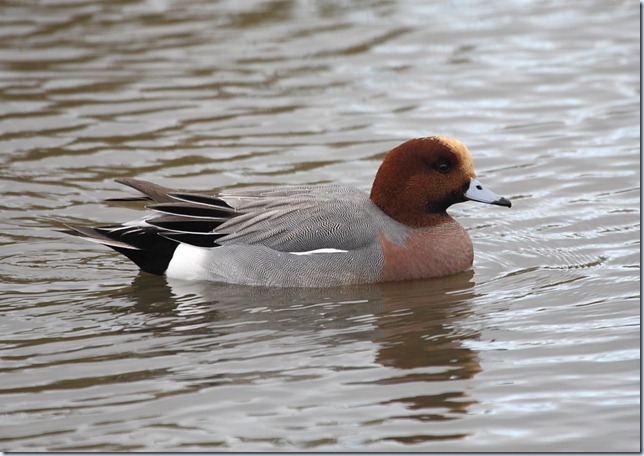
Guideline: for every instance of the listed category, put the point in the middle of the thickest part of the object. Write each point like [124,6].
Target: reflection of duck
[410,335]
[424,342]
[313,236]
[423,315]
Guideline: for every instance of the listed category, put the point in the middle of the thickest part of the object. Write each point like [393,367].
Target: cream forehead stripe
[460,149]
[454,144]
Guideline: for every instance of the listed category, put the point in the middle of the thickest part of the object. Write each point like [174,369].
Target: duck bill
[477,192]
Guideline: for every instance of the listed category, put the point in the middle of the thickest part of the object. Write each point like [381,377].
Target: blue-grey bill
[477,192]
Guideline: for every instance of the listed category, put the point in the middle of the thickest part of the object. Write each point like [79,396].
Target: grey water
[537,348]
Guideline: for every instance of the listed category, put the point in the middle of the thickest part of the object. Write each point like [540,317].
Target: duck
[311,235]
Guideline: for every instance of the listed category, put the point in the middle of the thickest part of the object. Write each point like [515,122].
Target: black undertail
[147,248]
[181,218]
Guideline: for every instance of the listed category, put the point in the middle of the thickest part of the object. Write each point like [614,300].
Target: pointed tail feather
[177,217]
[155,192]
[144,246]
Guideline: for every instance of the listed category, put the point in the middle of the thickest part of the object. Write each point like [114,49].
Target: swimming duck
[312,236]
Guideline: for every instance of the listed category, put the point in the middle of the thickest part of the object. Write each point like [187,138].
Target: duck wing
[287,219]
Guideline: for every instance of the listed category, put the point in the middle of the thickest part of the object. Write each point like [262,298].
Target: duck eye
[442,167]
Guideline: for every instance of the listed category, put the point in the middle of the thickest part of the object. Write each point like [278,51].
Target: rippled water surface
[537,348]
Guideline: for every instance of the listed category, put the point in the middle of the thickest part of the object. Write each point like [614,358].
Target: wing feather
[301,219]
[289,219]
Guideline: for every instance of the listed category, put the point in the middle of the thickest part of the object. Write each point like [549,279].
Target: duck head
[422,177]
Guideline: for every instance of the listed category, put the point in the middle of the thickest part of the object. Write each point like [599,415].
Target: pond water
[535,349]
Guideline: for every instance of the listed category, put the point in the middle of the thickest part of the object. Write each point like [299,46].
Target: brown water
[537,348]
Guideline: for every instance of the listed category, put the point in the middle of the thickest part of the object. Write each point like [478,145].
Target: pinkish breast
[428,252]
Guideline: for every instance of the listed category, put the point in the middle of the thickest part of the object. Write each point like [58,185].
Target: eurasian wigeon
[312,236]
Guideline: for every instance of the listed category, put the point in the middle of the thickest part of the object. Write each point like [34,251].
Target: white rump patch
[188,262]
[313,252]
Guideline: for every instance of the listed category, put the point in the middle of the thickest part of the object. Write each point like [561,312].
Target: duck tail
[176,218]
[143,245]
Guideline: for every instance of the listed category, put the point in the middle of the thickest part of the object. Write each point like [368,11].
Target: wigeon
[312,236]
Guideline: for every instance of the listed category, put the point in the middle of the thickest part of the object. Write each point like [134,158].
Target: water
[537,348]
